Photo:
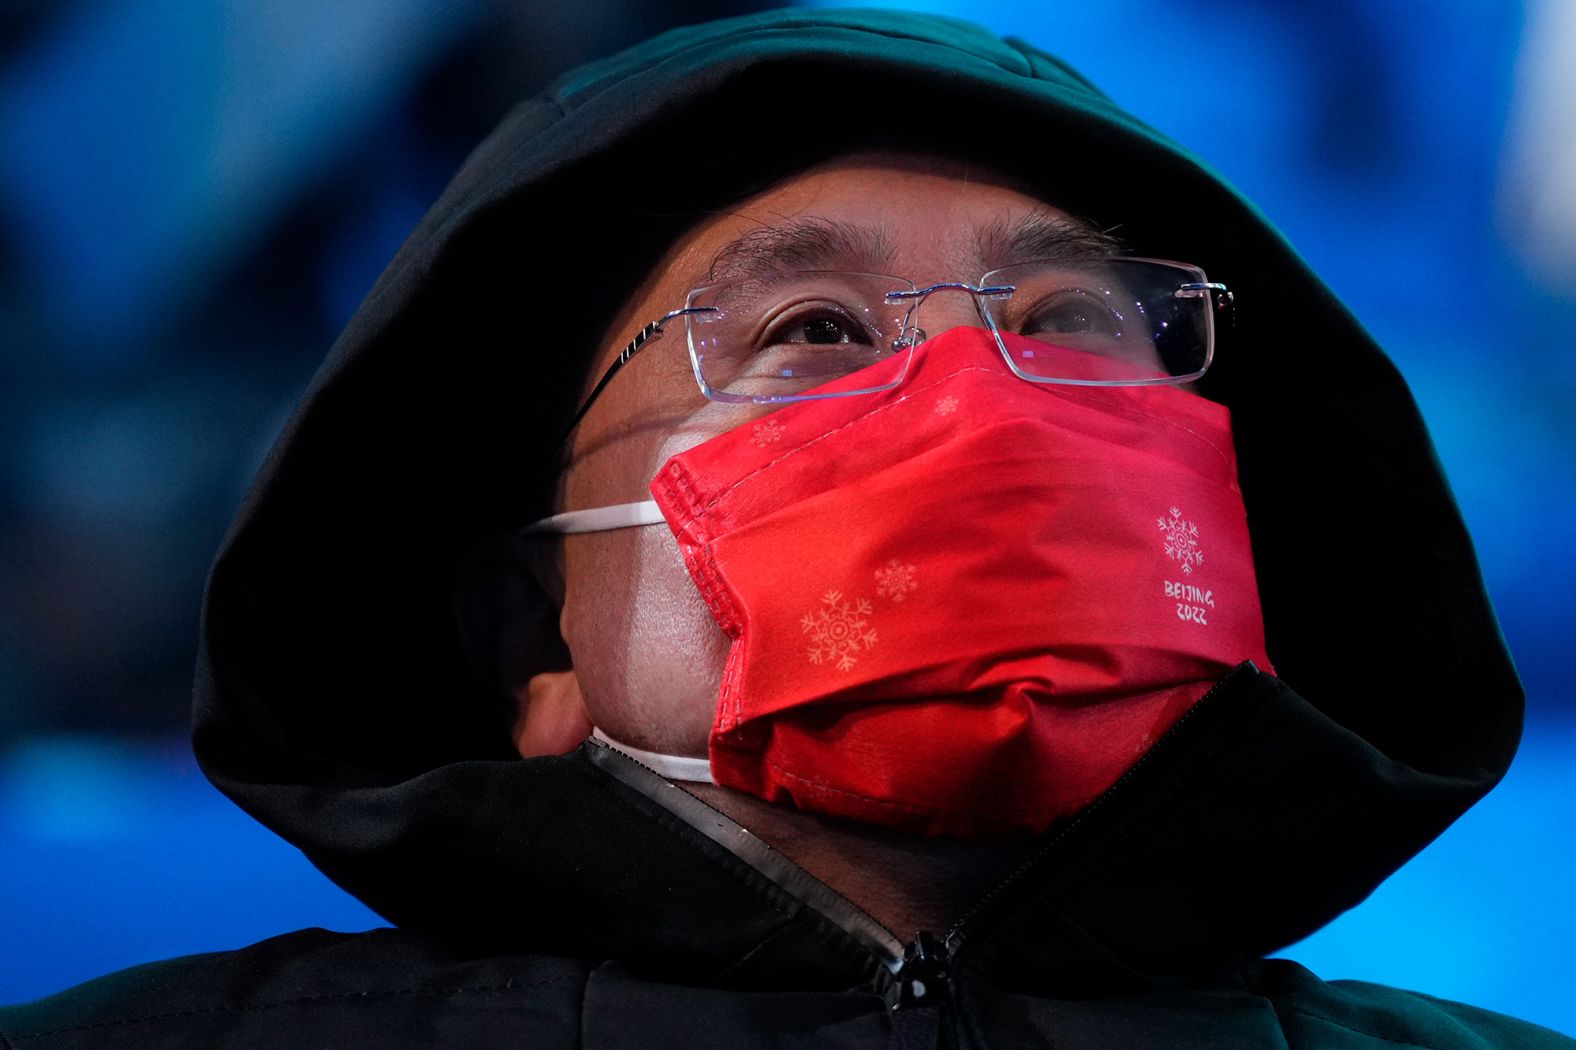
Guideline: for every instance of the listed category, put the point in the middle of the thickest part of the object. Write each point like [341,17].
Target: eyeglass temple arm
[1224,301]
[652,330]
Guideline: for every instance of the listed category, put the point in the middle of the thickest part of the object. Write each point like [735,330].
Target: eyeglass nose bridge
[913,337]
[990,291]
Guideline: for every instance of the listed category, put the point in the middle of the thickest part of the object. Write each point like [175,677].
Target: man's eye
[1072,313]
[824,330]
[815,326]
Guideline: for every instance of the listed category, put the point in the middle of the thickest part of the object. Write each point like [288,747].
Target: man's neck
[904,882]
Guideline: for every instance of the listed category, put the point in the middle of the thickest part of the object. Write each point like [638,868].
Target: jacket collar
[1253,822]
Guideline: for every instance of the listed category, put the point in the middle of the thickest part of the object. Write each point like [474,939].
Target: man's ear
[551,715]
[508,616]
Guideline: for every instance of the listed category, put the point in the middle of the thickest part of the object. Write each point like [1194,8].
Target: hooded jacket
[580,900]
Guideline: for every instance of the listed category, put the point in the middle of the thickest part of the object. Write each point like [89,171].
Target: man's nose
[947,308]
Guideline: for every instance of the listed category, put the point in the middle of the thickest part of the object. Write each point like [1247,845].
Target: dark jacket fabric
[347,697]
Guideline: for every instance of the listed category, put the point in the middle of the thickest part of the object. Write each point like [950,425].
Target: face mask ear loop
[674,767]
[599,519]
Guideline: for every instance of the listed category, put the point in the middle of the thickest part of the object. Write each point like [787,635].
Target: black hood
[338,703]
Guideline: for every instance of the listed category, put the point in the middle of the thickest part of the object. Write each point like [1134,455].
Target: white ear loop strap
[600,519]
[674,767]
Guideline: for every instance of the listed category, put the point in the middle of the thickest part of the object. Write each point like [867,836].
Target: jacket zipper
[922,975]
[924,978]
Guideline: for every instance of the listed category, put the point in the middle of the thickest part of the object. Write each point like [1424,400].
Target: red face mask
[966,605]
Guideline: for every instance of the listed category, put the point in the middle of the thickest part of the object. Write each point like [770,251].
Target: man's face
[647,654]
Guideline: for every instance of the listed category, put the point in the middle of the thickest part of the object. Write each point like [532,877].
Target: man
[776,401]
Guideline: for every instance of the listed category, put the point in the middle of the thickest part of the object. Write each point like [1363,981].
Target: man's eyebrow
[801,244]
[1043,235]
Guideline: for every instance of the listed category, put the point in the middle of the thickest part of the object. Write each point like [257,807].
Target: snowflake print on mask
[1181,539]
[946,406]
[766,433]
[895,580]
[838,630]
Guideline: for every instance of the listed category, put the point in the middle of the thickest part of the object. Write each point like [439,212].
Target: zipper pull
[924,978]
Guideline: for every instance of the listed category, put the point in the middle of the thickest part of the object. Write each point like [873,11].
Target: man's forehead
[818,243]
[941,218]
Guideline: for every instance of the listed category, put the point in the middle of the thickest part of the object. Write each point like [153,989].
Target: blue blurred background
[195,195]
